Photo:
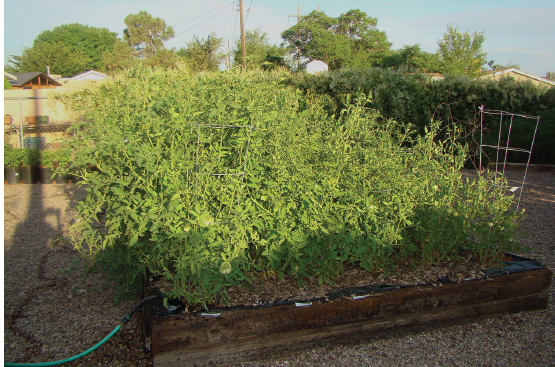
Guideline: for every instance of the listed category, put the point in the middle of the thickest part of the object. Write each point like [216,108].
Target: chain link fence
[29,122]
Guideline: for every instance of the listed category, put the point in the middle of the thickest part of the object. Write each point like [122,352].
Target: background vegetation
[409,97]
[351,40]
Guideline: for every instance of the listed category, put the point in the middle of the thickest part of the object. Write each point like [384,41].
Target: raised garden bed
[226,335]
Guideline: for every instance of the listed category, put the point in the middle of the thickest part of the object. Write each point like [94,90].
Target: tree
[414,58]
[351,40]
[260,54]
[146,34]
[7,84]
[163,58]
[68,50]
[461,53]
[58,57]
[120,58]
[203,54]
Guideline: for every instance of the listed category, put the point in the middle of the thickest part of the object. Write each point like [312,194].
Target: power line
[235,21]
[188,29]
[198,16]
[374,7]
[248,12]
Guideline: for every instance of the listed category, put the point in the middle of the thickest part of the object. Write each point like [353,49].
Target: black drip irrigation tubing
[124,321]
[516,265]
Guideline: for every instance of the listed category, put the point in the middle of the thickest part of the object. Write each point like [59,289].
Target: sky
[517,31]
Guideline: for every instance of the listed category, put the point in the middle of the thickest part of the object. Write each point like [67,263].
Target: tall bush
[415,98]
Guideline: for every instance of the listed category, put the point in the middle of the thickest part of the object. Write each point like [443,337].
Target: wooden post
[243,49]
[298,16]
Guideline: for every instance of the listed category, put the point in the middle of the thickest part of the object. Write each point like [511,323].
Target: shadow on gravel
[24,263]
[52,311]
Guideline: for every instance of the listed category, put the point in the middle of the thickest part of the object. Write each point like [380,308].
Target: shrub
[417,99]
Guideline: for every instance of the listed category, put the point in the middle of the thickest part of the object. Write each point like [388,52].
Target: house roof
[9,76]
[520,72]
[24,78]
[91,74]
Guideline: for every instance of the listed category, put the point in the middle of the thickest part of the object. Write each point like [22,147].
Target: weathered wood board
[196,340]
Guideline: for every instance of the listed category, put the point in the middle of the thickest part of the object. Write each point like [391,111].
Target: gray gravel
[52,312]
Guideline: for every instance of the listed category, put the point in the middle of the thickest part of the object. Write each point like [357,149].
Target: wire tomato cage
[503,149]
[222,151]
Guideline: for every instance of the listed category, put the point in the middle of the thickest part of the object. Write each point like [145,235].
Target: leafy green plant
[47,158]
[62,157]
[13,157]
[208,180]
[31,157]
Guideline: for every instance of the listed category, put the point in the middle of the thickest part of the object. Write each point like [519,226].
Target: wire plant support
[503,147]
[240,170]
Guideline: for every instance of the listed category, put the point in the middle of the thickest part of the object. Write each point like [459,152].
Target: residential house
[90,75]
[34,80]
[520,76]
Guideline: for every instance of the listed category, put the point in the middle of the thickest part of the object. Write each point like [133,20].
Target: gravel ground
[51,312]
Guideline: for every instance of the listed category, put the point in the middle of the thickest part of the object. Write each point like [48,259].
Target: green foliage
[68,50]
[119,59]
[319,192]
[203,54]
[58,57]
[31,157]
[417,99]
[260,54]
[461,53]
[16,157]
[13,157]
[146,34]
[47,159]
[62,157]
[412,57]
[7,84]
[349,40]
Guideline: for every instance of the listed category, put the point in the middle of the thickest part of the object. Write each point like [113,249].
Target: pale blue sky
[517,31]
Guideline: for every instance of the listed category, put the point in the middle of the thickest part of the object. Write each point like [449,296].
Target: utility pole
[298,16]
[243,49]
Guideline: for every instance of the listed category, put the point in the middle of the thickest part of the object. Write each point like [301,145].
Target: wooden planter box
[229,336]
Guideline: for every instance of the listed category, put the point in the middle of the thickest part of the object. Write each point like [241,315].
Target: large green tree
[120,58]
[146,34]
[412,57]
[461,53]
[350,40]
[260,54]
[68,50]
[203,54]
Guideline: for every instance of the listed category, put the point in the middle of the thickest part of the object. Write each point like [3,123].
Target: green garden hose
[53,363]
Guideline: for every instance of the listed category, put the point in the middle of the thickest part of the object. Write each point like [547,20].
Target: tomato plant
[206,180]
